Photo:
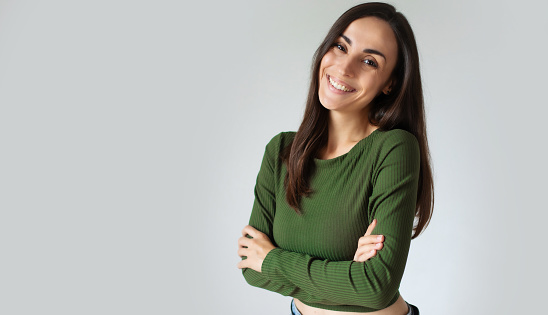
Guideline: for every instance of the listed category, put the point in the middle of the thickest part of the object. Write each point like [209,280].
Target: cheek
[327,61]
[322,70]
[373,83]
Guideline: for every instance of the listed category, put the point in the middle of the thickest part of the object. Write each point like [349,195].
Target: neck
[347,129]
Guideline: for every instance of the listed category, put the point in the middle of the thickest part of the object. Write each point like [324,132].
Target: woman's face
[359,66]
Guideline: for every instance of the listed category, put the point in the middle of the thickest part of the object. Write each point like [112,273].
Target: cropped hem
[351,308]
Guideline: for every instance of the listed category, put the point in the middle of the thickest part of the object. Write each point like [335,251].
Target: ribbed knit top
[313,261]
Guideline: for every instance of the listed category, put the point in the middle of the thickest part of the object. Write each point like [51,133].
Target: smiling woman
[336,201]
[359,66]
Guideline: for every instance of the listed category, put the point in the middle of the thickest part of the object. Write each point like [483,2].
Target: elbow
[385,296]
[249,278]
[382,302]
[254,278]
[377,290]
[381,282]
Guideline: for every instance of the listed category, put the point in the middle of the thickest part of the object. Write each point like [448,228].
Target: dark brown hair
[403,109]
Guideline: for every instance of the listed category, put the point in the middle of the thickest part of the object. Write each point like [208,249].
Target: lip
[332,88]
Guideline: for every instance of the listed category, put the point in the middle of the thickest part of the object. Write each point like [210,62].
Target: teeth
[338,86]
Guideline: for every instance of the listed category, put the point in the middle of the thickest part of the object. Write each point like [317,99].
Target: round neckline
[353,151]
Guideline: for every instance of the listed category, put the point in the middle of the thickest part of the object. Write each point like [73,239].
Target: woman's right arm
[262,218]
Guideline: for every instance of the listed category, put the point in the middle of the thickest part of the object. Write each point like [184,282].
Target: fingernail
[379,237]
[372,251]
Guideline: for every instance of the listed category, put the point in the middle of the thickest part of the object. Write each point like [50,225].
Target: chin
[330,106]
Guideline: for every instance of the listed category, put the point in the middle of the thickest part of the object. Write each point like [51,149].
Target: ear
[389,85]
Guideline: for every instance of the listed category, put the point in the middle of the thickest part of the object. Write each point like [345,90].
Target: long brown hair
[403,109]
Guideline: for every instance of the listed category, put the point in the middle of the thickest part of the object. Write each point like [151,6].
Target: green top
[313,261]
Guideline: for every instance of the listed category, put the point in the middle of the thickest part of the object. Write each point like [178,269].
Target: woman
[358,164]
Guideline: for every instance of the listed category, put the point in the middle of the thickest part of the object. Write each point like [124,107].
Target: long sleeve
[262,216]
[374,284]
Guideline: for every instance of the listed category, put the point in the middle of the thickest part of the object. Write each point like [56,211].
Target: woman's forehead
[372,33]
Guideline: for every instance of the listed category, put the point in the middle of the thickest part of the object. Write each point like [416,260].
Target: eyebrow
[367,50]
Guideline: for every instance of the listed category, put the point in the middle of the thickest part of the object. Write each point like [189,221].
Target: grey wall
[131,133]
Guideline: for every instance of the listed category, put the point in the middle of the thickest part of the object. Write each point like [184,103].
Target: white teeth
[338,86]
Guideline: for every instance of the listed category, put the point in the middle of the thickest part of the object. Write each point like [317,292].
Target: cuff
[270,264]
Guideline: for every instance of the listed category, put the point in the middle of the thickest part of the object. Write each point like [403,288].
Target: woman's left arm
[373,283]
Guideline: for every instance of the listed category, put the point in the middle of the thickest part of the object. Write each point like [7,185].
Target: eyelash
[369,62]
[339,47]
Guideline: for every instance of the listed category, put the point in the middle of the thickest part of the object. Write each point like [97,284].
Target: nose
[346,67]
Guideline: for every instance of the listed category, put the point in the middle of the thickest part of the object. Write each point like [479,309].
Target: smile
[338,86]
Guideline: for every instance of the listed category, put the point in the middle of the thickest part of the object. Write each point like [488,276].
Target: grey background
[131,133]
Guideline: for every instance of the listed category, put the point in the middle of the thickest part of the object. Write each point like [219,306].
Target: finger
[370,239]
[364,249]
[244,233]
[363,258]
[243,251]
[366,256]
[367,248]
[251,231]
[244,241]
[243,264]
[371,227]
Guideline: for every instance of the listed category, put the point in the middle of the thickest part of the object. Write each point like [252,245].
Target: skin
[360,64]
[365,74]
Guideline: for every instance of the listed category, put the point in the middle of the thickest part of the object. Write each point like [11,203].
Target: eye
[371,62]
[339,46]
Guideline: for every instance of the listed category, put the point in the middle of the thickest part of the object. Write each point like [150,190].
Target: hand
[255,248]
[368,245]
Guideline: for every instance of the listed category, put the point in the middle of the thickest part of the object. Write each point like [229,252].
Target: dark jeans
[413,310]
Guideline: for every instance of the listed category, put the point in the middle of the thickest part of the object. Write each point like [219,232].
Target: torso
[398,308]
[343,205]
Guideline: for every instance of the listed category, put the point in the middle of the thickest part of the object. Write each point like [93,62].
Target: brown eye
[339,47]
[371,63]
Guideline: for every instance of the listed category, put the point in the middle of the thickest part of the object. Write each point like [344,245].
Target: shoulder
[390,139]
[396,136]
[397,144]
[280,141]
[277,143]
